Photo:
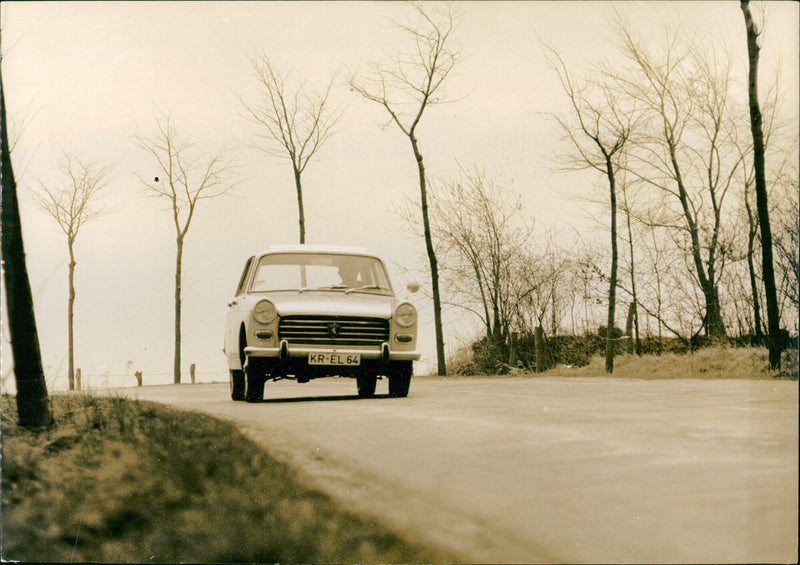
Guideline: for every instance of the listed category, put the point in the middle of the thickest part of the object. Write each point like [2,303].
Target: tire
[237,385]
[400,379]
[366,385]
[254,379]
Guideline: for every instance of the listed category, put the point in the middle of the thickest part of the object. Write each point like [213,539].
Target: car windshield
[320,271]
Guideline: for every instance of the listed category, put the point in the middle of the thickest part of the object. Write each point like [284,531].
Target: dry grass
[708,363]
[117,480]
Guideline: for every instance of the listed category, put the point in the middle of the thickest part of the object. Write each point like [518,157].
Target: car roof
[308,248]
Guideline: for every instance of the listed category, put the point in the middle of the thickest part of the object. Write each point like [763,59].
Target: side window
[243,279]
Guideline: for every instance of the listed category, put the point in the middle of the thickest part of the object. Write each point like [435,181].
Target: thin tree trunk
[437,305]
[638,344]
[629,327]
[498,326]
[300,213]
[32,401]
[751,238]
[177,361]
[483,300]
[70,319]
[762,205]
[612,285]
[635,303]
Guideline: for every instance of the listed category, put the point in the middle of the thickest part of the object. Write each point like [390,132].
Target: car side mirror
[412,286]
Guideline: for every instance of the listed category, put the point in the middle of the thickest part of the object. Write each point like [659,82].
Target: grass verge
[718,362]
[707,363]
[117,480]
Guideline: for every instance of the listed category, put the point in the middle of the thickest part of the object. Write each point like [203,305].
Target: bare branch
[184,175]
[296,119]
[73,203]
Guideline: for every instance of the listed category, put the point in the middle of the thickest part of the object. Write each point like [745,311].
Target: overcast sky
[90,75]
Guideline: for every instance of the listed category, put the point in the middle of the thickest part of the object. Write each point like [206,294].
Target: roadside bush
[789,363]
[718,362]
[491,356]
[570,350]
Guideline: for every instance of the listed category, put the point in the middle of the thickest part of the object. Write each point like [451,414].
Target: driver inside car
[349,276]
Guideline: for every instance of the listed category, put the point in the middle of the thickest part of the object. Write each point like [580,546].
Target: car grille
[333,330]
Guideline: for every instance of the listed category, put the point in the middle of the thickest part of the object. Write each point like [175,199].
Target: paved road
[545,469]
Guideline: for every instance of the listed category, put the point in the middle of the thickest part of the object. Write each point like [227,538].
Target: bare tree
[597,132]
[296,120]
[32,400]
[538,277]
[583,279]
[71,205]
[779,144]
[762,204]
[787,248]
[687,154]
[405,88]
[185,177]
[480,236]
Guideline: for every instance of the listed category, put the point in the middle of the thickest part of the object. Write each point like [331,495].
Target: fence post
[538,346]
[138,375]
[191,372]
[77,379]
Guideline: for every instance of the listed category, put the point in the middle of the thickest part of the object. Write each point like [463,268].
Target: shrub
[490,356]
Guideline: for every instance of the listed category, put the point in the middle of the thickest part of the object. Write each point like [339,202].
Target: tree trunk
[612,285]
[497,330]
[484,300]
[634,305]
[762,205]
[715,326]
[437,306]
[300,213]
[70,319]
[32,402]
[751,237]
[538,348]
[629,327]
[177,362]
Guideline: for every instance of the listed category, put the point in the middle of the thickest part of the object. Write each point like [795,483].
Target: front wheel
[400,379]
[237,384]
[255,377]
[366,385]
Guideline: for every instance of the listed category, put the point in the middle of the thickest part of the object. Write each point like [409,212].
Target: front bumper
[286,351]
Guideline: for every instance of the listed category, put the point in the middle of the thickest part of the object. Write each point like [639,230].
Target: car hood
[313,302]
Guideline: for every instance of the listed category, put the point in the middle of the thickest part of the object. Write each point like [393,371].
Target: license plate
[349,359]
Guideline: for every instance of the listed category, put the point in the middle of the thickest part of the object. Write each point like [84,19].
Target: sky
[87,77]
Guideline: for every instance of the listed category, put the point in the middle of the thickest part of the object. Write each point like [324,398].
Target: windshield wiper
[340,286]
[366,287]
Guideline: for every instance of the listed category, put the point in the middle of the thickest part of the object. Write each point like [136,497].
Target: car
[309,311]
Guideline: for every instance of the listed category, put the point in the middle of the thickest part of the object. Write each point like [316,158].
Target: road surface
[507,470]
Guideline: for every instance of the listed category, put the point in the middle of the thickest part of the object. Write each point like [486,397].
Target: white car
[304,312]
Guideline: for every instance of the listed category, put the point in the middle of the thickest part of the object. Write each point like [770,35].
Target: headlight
[264,312]
[405,315]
